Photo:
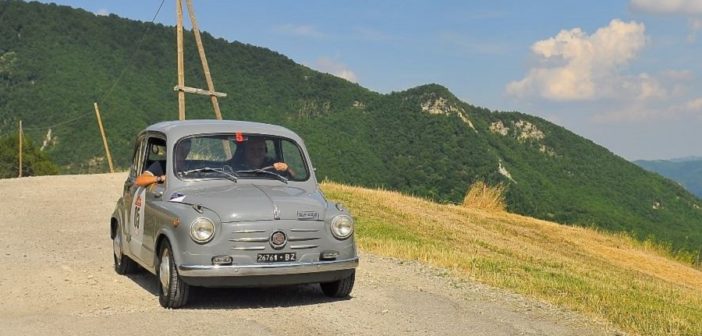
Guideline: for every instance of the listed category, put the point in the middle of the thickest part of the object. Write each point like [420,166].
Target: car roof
[177,129]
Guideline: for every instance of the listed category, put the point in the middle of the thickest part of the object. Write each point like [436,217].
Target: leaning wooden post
[181,65]
[203,59]
[21,135]
[206,70]
[104,138]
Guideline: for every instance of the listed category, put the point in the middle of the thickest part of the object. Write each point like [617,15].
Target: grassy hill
[636,286]
[687,172]
[56,61]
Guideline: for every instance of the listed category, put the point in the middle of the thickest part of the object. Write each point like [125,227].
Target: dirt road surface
[57,279]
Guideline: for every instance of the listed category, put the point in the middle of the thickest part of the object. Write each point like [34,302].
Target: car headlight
[202,230]
[342,226]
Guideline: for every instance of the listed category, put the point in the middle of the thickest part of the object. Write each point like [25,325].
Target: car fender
[174,230]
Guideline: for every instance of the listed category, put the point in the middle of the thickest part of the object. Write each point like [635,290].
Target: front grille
[251,237]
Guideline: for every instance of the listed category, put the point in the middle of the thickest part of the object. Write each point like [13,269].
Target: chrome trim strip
[266,269]
[249,231]
[249,248]
[299,247]
[304,230]
[302,238]
[249,240]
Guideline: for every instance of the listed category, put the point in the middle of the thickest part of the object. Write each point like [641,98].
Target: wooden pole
[206,70]
[181,66]
[203,59]
[202,92]
[104,138]
[21,135]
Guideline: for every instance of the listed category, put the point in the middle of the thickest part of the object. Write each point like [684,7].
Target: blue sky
[623,73]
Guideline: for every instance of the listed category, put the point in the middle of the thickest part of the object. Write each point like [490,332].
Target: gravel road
[57,279]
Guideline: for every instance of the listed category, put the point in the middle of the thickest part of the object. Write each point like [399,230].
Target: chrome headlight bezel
[199,226]
[342,227]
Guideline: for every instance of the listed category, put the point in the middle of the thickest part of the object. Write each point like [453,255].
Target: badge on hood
[307,215]
[176,197]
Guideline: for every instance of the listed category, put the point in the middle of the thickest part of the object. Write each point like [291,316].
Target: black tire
[172,291]
[123,264]
[340,288]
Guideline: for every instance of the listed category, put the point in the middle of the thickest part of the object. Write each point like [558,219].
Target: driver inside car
[254,157]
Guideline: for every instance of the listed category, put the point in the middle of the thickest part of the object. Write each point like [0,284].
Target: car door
[153,151]
[152,201]
[129,191]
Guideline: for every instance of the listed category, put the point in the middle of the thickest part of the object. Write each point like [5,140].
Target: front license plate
[276,257]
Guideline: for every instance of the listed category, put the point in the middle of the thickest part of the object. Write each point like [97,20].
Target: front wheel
[172,291]
[340,288]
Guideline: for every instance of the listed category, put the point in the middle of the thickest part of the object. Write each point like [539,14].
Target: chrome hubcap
[117,248]
[164,271]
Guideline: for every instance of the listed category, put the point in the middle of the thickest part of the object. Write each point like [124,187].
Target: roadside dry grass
[485,197]
[609,277]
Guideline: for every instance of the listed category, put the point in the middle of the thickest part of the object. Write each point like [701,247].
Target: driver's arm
[149,176]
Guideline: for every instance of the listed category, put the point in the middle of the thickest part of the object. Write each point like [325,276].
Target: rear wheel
[340,288]
[172,291]
[123,264]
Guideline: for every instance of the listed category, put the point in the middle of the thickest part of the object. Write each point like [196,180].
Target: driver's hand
[280,166]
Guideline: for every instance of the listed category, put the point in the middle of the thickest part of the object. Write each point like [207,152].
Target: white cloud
[330,66]
[679,75]
[576,66]
[695,25]
[694,105]
[102,12]
[680,7]
[683,110]
[640,112]
[299,30]
[692,9]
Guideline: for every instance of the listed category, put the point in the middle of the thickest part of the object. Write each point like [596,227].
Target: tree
[34,161]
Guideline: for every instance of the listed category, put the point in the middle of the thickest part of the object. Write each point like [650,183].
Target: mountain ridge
[686,171]
[56,61]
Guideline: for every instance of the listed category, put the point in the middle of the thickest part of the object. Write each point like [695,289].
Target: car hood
[252,202]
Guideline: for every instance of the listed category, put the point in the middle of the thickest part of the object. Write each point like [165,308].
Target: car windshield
[239,156]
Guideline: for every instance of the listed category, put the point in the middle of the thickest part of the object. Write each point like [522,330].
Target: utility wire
[130,61]
[59,124]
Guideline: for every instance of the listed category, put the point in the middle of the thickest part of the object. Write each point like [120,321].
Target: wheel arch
[161,237]
[114,224]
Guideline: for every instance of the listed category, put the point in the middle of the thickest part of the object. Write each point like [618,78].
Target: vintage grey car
[222,217]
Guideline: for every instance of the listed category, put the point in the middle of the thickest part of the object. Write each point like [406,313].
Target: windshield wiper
[231,176]
[261,171]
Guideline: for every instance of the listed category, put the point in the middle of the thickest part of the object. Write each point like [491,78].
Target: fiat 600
[229,204]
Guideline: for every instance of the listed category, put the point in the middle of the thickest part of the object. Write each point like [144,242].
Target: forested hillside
[56,61]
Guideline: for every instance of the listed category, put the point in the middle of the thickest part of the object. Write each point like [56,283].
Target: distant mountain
[56,61]
[686,171]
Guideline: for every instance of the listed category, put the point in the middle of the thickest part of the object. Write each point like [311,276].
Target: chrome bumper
[266,269]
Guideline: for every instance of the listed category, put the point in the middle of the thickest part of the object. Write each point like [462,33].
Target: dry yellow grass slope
[612,277]
[484,197]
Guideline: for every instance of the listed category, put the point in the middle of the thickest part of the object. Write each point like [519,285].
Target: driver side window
[136,167]
[155,156]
